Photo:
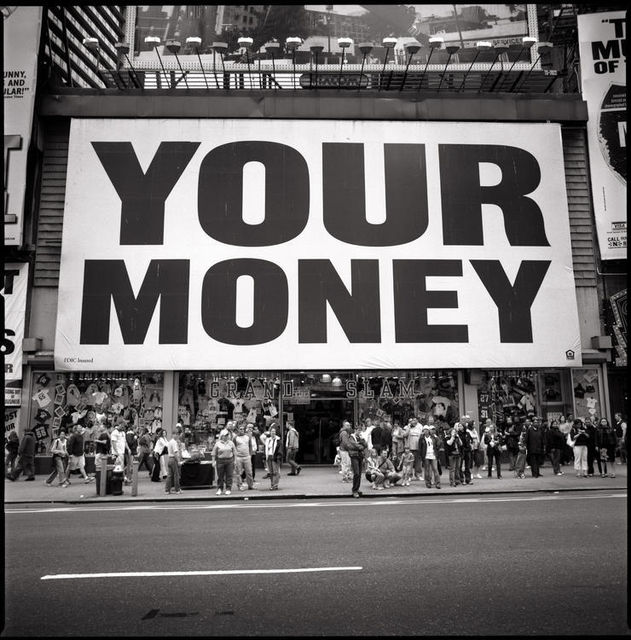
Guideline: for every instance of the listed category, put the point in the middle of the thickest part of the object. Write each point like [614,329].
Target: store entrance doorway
[318,424]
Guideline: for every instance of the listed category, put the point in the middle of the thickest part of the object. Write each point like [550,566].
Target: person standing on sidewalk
[345,459]
[429,453]
[535,446]
[592,453]
[224,454]
[492,440]
[144,450]
[174,460]
[355,446]
[554,445]
[453,451]
[467,451]
[416,431]
[274,456]
[243,461]
[578,439]
[292,443]
[620,427]
[606,442]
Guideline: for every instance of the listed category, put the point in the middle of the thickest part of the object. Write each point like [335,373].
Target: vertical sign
[21,27]
[14,294]
[602,40]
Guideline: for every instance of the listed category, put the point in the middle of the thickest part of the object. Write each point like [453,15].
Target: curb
[304,496]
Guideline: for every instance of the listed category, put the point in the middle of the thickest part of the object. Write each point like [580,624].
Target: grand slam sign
[263,244]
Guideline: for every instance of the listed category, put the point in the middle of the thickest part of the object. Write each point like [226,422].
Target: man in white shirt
[174,453]
[118,442]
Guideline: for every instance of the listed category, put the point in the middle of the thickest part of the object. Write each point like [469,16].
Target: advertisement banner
[14,294]
[284,244]
[602,40]
[21,27]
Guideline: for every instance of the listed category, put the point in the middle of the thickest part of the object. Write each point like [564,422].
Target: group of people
[390,455]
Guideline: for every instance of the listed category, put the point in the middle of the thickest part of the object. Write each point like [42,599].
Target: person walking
[131,438]
[535,446]
[26,458]
[243,460]
[223,455]
[59,451]
[11,445]
[76,447]
[174,460]
[292,442]
[274,456]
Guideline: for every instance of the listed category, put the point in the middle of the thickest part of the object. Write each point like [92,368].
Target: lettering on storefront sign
[330,81]
[288,193]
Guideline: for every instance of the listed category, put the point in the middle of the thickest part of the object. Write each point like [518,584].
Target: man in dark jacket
[590,429]
[355,446]
[377,437]
[26,458]
[535,446]
[555,441]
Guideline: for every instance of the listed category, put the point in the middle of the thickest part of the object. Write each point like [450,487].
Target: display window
[61,400]
[586,388]
[207,400]
[396,396]
[519,394]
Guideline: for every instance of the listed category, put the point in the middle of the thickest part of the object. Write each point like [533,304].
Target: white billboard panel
[295,244]
[602,40]
[21,26]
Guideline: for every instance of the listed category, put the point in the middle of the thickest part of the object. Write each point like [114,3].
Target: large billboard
[21,26]
[303,244]
[602,40]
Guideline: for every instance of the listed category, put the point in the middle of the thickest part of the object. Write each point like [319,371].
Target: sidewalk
[313,482]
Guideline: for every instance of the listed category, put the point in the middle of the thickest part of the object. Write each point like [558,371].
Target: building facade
[208,240]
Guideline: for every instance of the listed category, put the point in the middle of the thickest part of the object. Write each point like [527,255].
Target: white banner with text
[305,244]
[602,39]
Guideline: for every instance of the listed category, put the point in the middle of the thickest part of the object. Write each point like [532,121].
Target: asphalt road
[511,564]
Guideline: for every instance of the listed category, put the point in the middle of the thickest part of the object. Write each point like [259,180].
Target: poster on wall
[602,40]
[14,294]
[21,27]
[242,244]
[461,25]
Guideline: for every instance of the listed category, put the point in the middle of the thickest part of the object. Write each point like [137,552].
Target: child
[406,466]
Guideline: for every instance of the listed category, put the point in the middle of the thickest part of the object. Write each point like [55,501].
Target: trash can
[108,481]
[117,480]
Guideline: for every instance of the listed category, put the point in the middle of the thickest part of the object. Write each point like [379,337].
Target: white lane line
[87,508]
[227,572]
